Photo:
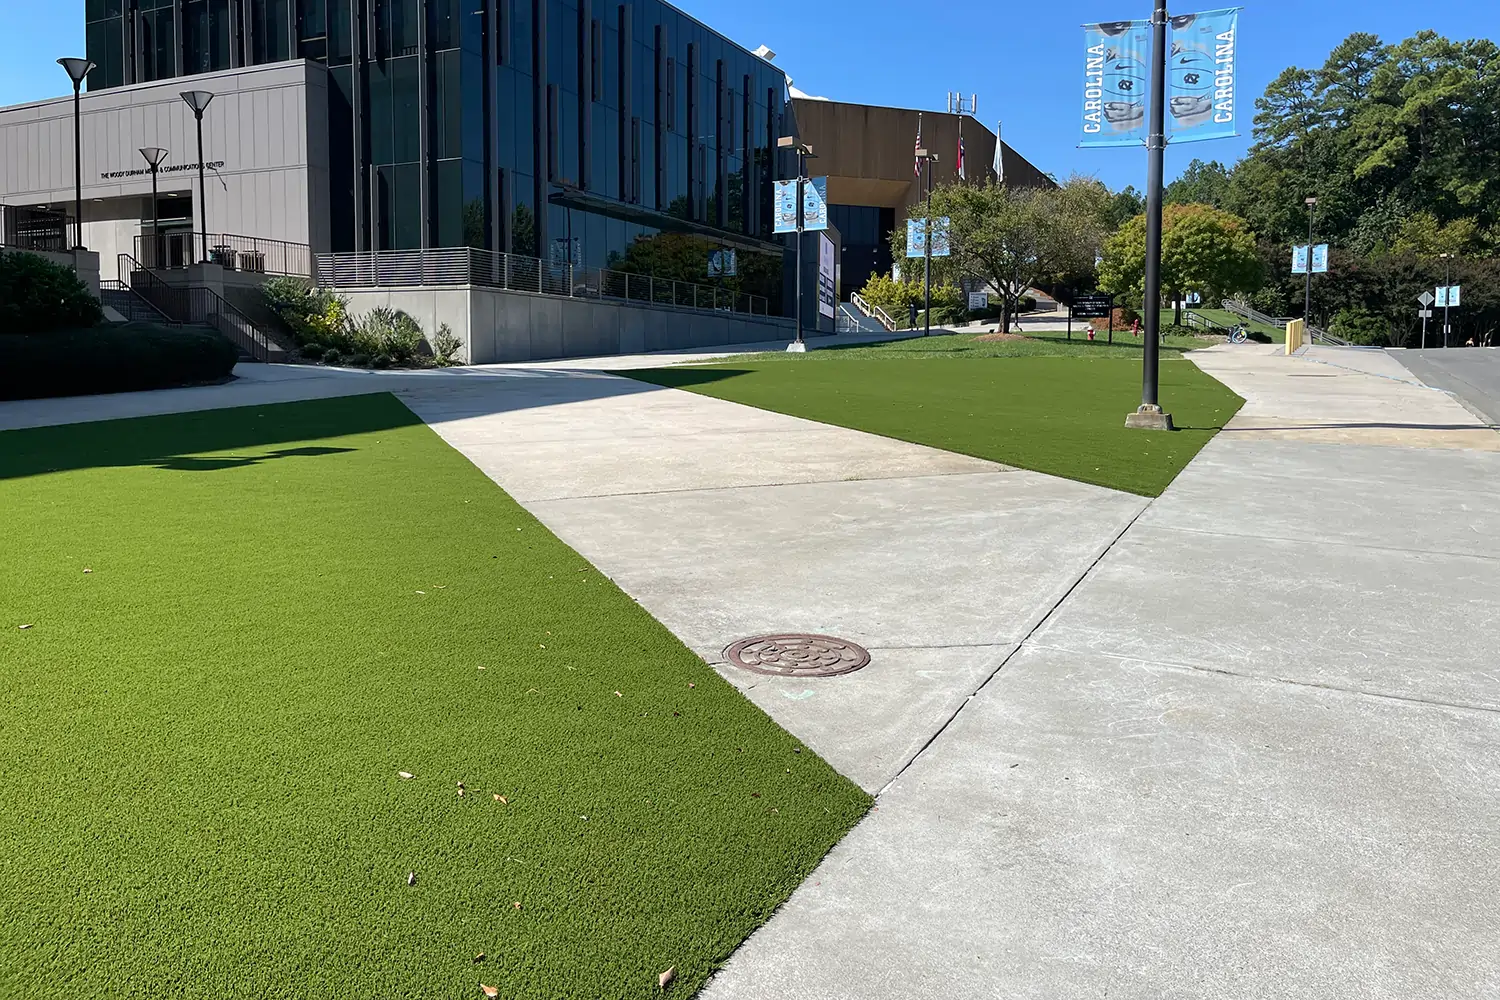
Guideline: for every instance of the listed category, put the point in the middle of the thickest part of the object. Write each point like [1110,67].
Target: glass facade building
[610,134]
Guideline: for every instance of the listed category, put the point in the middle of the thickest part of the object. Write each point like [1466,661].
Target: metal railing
[180,248]
[1190,318]
[876,313]
[196,304]
[1315,335]
[130,302]
[513,272]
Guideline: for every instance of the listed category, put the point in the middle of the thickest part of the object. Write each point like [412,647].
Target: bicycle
[1239,333]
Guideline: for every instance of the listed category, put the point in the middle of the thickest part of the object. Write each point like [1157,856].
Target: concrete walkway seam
[1020,644]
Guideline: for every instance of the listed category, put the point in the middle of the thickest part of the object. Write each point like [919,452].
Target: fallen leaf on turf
[411,878]
[619,695]
[479,957]
[25,626]
[87,570]
[517,905]
[491,991]
[502,800]
[481,668]
[405,774]
[691,684]
[423,592]
[460,784]
[460,793]
[665,979]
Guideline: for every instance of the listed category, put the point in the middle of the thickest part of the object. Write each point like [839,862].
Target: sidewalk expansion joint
[1288,681]
[1042,620]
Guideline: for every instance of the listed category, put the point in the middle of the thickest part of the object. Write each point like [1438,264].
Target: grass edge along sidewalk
[244,625]
[1061,415]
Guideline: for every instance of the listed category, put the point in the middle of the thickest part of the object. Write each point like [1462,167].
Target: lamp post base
[796,347]
[1149,418]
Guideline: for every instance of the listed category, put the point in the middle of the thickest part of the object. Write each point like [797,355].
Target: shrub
[37,295]
[446,347]
[387,331]
[312,351]
[332,356]
[380,361]
[1360,326]
[121,358]
[358,360]
[314,315]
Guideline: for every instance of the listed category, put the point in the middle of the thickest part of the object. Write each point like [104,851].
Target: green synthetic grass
[289,605]
[1224,317]
[1040,343]
[1063,415]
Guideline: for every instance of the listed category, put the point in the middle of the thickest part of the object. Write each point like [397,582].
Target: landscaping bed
[120,358]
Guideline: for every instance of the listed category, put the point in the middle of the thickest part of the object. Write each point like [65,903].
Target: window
[596,69]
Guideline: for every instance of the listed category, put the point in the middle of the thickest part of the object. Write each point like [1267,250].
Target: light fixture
[77,69]
[198,101]
[154,155]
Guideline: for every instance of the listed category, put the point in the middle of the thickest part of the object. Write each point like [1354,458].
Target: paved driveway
[1470,373]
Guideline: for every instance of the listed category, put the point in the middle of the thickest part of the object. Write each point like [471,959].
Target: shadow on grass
[681,378]
[192,463]
[181,442]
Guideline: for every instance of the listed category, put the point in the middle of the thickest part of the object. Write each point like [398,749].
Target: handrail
[1199,320]
[1315,335]
[876,313]
[515,272]
[197,304]
[252,254]
[136,297]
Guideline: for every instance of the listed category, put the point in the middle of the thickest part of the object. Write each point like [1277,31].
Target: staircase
[120,297]
[851,320]
[198,306]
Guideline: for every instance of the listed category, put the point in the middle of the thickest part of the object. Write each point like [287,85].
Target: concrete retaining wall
[497,326]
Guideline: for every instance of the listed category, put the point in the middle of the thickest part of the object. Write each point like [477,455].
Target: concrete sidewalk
[1254,753]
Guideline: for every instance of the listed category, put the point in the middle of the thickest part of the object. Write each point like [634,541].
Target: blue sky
[1020,58]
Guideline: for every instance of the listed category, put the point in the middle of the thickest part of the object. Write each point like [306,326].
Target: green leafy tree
[1202,183]
[1203,250]
[1013,238]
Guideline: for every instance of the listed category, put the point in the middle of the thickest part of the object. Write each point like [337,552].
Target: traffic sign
[1424,314]
[1425,298]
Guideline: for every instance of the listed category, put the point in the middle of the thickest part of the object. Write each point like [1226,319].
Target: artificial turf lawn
[1063,415]
[287,606]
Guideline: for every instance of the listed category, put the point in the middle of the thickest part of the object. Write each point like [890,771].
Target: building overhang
[640,215]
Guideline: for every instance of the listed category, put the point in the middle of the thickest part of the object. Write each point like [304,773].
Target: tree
[1014,238]
[1203,250]
[1200,184]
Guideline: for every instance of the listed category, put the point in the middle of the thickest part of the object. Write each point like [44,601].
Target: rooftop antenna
[957,105]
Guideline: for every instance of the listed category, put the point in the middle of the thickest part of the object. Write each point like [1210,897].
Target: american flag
[916,156]
[960,161]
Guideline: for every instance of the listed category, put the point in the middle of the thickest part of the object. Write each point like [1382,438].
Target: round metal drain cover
[797,655]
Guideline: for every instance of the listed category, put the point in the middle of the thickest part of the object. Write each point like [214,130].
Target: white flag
[999,165]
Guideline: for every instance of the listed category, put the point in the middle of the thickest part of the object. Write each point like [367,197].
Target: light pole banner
[1116,82]
[785,202]
[941,247]
[916,238]
[1299,258]
[827,288]
[1320,259]
[815,203]
[1201,76]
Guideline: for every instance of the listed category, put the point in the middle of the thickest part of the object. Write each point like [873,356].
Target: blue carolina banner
[1116,82]
[916,238]
[785,200]
[941,245]
[1299,258]
[815,203]
[1320,259]
[1201,76]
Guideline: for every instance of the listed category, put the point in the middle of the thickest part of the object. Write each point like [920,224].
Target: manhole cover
[796,655]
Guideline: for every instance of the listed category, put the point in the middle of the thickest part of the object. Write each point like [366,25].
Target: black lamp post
[198,101]
[77,70]
[929,159]
[803,151]
[154,156]
[1312,204]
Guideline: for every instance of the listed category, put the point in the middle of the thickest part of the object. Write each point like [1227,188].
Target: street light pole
[77,69]
[803,151]
[154,156]
[1447,292]
[1307,290]
[1149,415]
[198,101]
[927,249]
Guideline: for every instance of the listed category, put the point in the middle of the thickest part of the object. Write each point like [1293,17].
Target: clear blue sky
[1021,58]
